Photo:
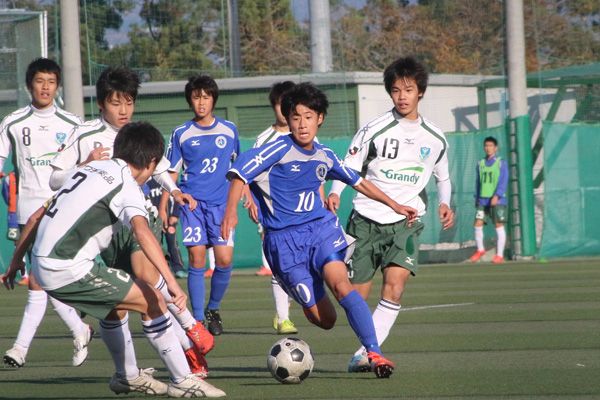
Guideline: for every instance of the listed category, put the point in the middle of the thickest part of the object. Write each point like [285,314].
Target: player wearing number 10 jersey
[304,243]
[204,148]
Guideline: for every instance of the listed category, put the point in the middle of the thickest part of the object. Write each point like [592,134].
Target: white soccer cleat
[194,386]
[144,383]
[359,363]
[80,346]
[14,357]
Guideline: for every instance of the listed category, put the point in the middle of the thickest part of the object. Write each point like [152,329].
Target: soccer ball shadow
[290,360]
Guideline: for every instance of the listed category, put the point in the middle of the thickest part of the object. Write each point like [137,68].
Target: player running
[34,134]
[399,151]
[78,224]
[304,244]
[116,93]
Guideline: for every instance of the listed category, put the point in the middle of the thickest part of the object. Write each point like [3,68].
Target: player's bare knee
[392,291]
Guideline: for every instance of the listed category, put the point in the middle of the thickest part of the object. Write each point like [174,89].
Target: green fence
[572,190]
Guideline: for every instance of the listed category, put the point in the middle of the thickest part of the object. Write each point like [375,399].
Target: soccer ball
[290,360]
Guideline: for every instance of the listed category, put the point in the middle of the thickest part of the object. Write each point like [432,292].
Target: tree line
[169,39]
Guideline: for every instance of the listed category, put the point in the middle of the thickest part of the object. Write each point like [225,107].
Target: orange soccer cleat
[477,255]
[201,337]
[381,366]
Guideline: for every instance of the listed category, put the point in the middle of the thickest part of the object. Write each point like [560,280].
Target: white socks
[70,316]
[162,337]
[282,301]
[32,316]
[211,257]
[384,316]
[117,336]
[479,238]
[265,263]
[183,320]
[501,233]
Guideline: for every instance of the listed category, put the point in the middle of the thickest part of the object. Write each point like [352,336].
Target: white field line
[435,306]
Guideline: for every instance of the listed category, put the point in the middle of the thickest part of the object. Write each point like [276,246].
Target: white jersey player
[116,92]
[34,134]
[399,152]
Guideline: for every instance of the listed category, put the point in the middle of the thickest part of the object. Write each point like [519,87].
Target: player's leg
[499,217]
[156,322]
[32,317]
[82,332]
[210,255]
[478,228]
[219,282]
[281,322]
[358,314]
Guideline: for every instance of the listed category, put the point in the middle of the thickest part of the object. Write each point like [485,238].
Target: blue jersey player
[204,148]
[304,242]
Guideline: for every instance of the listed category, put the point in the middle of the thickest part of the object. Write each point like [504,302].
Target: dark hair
[406,67]
[491,139]
[117,80]
[201,82]
[277,90]
[41,65]
[307,95]
[138,144]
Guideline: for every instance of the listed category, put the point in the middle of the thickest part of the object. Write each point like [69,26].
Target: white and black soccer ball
[290,360]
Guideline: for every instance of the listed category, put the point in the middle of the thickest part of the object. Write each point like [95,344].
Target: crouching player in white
[304,244]
[79,223]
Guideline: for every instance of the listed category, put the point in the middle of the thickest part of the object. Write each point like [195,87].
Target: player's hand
[8,278]
[446,216]
[162,214]
[172,228]
[99,153]
[409,212]
[253,212]
[179,298]
[229,223]
[184,198]
[494,201]
[333,202]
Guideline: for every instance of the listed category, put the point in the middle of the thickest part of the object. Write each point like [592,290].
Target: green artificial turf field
[519,331]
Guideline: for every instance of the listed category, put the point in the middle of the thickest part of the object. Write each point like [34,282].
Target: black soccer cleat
[213,321]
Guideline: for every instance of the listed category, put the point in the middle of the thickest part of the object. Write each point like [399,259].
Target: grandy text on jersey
[402,176]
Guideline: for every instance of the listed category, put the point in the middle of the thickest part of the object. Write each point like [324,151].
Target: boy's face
[279,117]
[489,148]
[202,104]
[304,124]
[117,109]
[405,95]
[43,89]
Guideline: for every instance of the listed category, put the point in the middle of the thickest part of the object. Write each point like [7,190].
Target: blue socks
[361,321]
[196,291]
[218,286]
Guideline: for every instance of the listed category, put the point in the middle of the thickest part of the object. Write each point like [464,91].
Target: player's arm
[164,202]
[153,251]
[230,219]
[26,239]
[502,183]
[444,186]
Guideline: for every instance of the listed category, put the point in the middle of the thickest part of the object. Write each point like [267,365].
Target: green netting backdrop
[572,190]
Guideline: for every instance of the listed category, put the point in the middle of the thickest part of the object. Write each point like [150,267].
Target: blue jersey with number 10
[286,180]
[205,154]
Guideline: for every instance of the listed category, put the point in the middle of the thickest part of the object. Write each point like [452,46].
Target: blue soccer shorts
[202,226]
[297,255]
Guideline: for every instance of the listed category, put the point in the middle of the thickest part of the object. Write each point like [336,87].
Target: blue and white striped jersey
[205,154]
[285,179]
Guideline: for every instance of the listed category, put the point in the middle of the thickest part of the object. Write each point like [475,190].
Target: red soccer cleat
[381,366]
[197,363]
[478,254]
[201,337]
[208,273]
[498,259]
[264,271]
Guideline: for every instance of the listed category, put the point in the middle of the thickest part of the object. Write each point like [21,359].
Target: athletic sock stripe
[389,305]
[161,284]
[158,326]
